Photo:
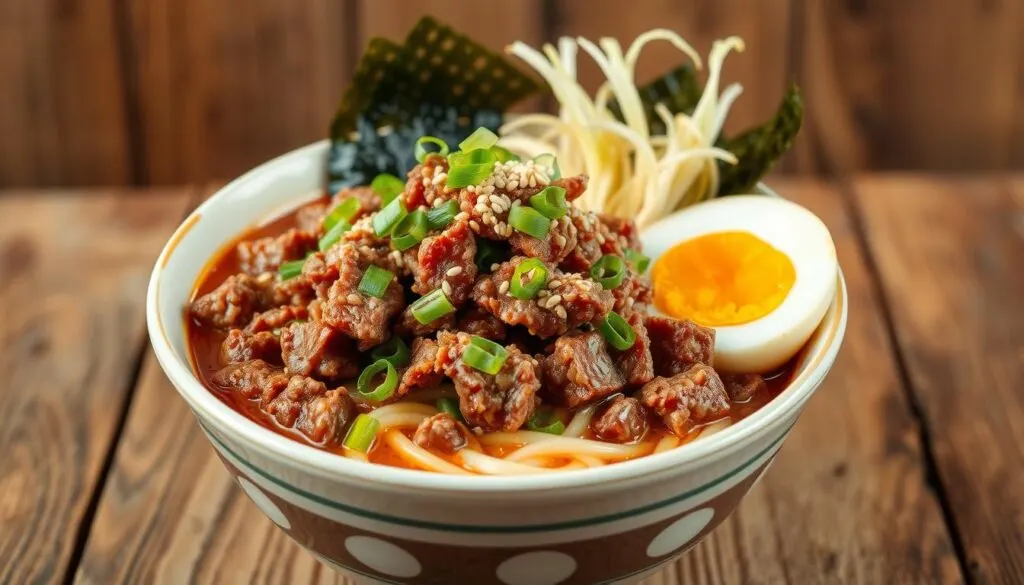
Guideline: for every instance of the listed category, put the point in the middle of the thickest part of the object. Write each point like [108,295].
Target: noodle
[418,456]
[666,444]
[715,427]
[558,446]
[481,463]
[579,423]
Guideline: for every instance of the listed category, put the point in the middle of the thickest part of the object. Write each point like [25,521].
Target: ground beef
[407,326]
[588,247]
[476,321]
[678,344]
[242,346]
[503,402]
[690,398]
[310,217]
[421,373]
[743,387]
[636,363]
[231,304]
[441,433]
[621,420]
[276,318]
[267,254]
[307,405]
[319,273]
[634,293]
[253,379]
[369,200]
[445,262]
[567,302]
[421,188]
[276,292]
[580,371]
[574,186]
[309,348]
[559,243]
[624,230]
[358,315]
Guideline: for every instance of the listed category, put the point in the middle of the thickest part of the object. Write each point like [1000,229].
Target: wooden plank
[73,275]
[63,118]
[950,255]
[224,86]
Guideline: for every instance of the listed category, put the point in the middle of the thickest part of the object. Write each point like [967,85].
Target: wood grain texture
[950,254]
[224,86]
[63,119]
[846,499]
[71,327]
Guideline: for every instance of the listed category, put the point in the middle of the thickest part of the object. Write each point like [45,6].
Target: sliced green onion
[550,202]
[375,281]
[529,221]
[465,176]
[362,433]
[393,350]
[387,218]
[530,276]
[489,253]
[439,217]
[382,391]
[387,186]
[480,138]
[290,269]
[477,156]
[617,331]
[610,271]
[451,407]
[502,154]
[333,235]
[550,161]
[410,230]
[421,151]
[546,421]
[342,212]
[484,355]
[639,261]
[431,306]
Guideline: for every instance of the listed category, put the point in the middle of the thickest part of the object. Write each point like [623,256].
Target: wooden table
[907,467]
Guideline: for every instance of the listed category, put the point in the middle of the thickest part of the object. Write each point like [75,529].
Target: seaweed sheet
[759,148]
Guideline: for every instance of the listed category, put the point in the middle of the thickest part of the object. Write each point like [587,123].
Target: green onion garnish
[439,217]
[467,175]
[387,218]
[393,350]
[375,281]
[451,407]
[362,433]
[639,261]
[333,235]
[387,186]
[431,306]
[546,421]
[477,156]
[617,331]
[410,230]
[290,269]
[610,271]
[489,253]
[382,391]
[529,221]
[502,154]
[530,276]
[421,147]
[550,202]
[550,161]
[480,138]
[484,355]
[342,212]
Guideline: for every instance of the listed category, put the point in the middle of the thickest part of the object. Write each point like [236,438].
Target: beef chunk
[690,398]
[309,407]
[276,292]
[559,243]
[621,420]
[231,304]
[676,345]
[319,273]
[567,302]
[574,186]
[476,321]
[267,254]
[588,246]
[421,373]
[623,229]
[253,379]
[358,315]
[368,200]
[503,402]
[276,318]
[242,346]
[743,387]
[425,185]
[312,349]
[580,370]
[442,434]
[632,295]
[445,261]
[408,326]
[310,217]
[636,363]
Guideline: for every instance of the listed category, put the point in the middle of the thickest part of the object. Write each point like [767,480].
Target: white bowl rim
[331,465]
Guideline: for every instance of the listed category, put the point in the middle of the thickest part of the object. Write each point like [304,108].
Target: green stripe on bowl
[476,529]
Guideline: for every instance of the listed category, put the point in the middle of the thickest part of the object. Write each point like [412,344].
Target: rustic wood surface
[171,91]
[905,467]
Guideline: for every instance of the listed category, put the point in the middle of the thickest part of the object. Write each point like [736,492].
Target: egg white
[769,342]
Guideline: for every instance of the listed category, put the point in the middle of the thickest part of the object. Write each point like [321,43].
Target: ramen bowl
[381,524]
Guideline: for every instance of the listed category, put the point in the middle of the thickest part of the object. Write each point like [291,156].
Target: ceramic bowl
[379,524]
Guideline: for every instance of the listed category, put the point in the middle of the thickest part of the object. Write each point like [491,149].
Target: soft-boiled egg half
[760,270]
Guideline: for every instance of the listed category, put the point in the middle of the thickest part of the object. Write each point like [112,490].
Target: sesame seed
[496,199]
[480,208]
[471,188]
[513,184]
[474,225]
[462,216]
[560,310]
[454,271]
[533,181]
[438,201]
[600,239]
[426,182]
[439,178]
[503,288]
[497,208]
[499,182]
[555,283]
[354,299]
[554,300]
[446,288]
[560,240]
[554,223]
[495,266]
[569,297]
[543,294]
[489,218]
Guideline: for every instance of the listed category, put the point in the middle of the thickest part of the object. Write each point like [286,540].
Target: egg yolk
[725,278]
